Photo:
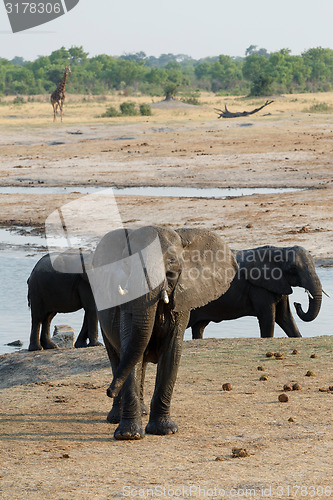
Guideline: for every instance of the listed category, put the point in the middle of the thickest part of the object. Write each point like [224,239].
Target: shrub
[111,112]
[145,110]
[320,107]
[191,100]
[128,108]
[18,100]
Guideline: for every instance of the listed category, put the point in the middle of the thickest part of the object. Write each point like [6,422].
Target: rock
[313,356]
[287,387]
[295,352]
[296,387]
[63,336]
[278,355]
[264,377]
[261,369]
[219,459]
[227,387]
[310,373]
[291,419]
[16,343]
[283,398]
[269,354]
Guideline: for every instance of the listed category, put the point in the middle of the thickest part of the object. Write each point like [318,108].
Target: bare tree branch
[227,114]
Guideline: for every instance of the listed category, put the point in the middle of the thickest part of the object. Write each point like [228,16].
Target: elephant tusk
[327,294]
[309,294]
[122,291]
[165,297]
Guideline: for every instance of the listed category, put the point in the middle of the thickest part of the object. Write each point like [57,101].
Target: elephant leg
[45,337]
[285,319]
[198,329]
[34,344]
[81,340]
[92,329]
[114,414]
[160,421]
[130,426]
[266,320]
[140,376]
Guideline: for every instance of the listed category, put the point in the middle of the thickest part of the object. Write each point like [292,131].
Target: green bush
[320,107]
[128,108]
[18,100]
[191,100]
[145,110]
[111,112]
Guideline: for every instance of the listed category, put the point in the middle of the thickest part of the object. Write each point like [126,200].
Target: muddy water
[15,315]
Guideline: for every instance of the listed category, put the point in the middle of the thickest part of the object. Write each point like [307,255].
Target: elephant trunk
[141,326]
[314,290]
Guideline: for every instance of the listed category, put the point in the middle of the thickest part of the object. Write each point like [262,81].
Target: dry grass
[81,109]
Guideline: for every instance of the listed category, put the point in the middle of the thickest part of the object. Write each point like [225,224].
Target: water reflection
[179,192]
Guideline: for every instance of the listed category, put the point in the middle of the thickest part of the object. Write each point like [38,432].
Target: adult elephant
[261,288]
[145,283]
[51,292]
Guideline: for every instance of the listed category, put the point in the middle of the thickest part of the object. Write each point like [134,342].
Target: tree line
[259,73]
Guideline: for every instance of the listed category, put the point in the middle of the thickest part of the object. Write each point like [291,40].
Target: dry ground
[183,147]
[55,442]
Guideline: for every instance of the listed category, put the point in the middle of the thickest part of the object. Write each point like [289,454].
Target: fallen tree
[228,114]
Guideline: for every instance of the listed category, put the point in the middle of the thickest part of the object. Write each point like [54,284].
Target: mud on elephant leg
[160,421]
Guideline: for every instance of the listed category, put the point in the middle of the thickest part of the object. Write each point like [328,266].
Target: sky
[196,28]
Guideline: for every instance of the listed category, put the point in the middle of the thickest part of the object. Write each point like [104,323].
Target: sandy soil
[55,442]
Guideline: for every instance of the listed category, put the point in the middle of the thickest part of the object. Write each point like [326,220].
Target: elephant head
[278,269]
[184,269]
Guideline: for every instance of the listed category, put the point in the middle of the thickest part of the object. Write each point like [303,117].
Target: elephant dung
[283,398]
[63,336]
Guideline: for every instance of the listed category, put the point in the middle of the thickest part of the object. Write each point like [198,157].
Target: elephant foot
[80,343]
[49,345]
[94,343]
[113,417]
[35,347]
[161,426]
[129,430]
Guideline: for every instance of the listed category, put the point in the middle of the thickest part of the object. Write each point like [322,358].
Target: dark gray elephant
[261,288]
[51,292]
[145,283]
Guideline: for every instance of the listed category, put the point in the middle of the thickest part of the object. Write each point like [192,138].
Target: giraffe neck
[62,84]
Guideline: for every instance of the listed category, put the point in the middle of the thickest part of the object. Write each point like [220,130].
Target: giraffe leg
[55,105]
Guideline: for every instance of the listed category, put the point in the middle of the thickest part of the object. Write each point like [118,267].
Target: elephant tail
[28,296]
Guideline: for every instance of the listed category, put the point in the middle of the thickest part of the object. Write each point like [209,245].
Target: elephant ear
[207,267]
[264,267]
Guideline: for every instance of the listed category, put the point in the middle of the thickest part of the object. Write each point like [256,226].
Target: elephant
[51,292]
[145,282]
[261,288]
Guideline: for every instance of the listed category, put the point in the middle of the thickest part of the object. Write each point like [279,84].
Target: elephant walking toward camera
[145,283]
[51,292]
[261,288]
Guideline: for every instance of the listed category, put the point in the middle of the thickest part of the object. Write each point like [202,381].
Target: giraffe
[58,96]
